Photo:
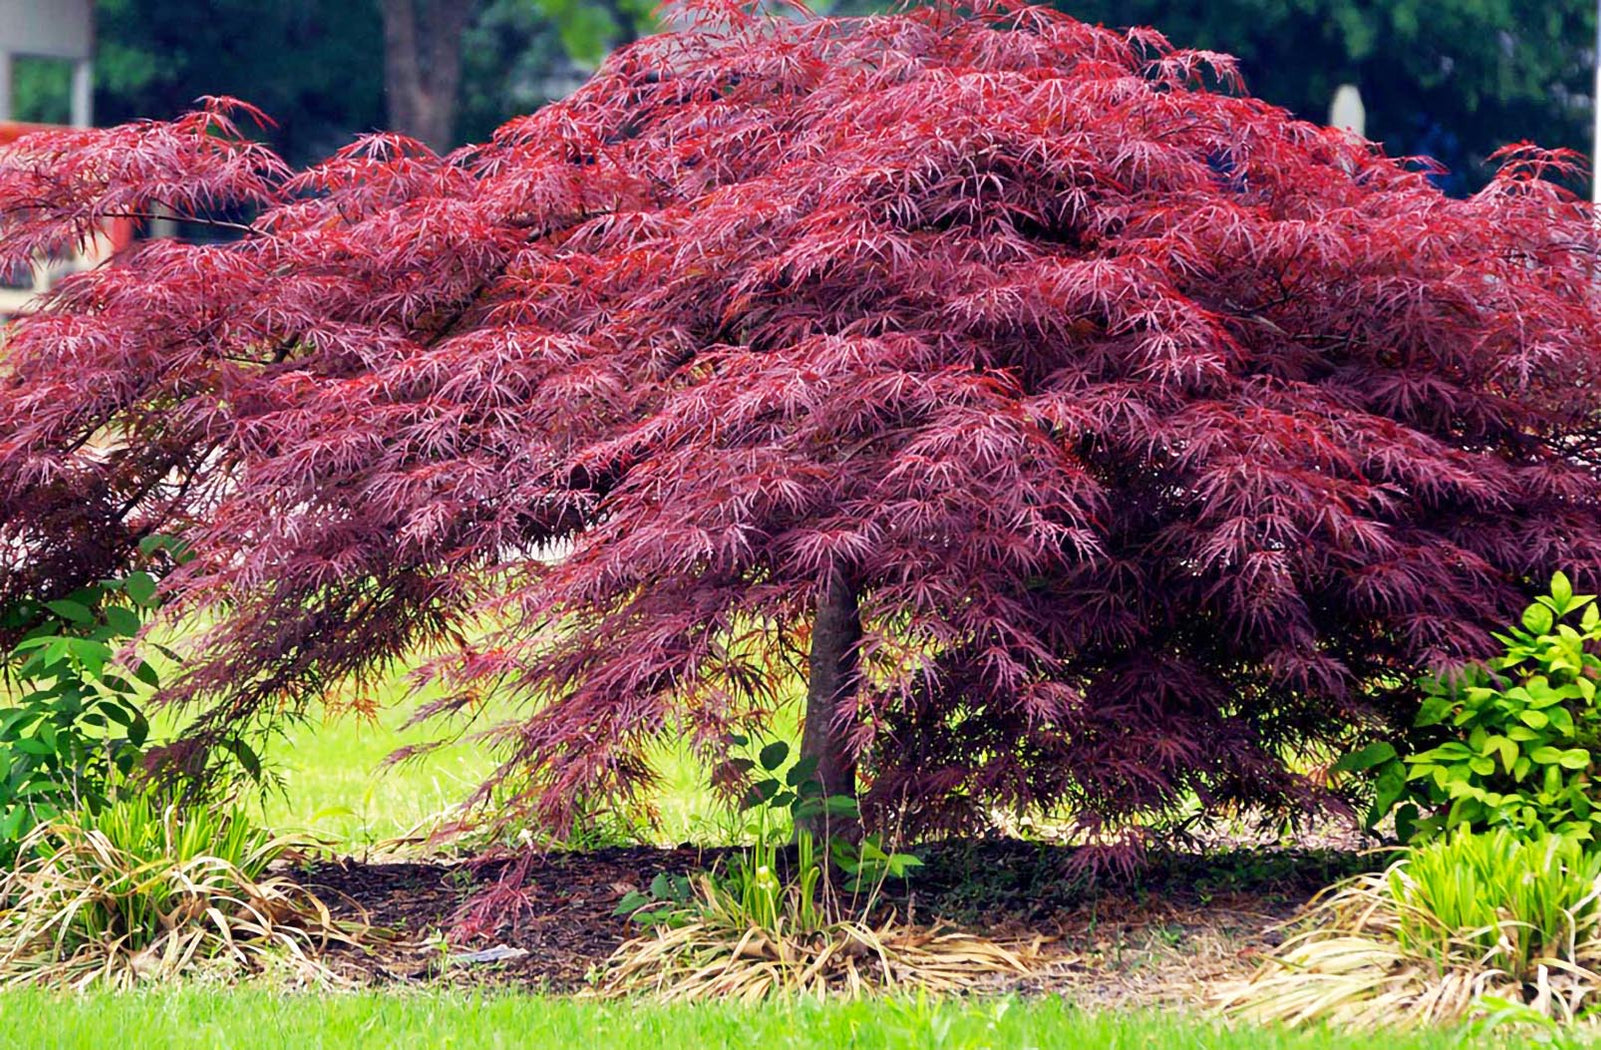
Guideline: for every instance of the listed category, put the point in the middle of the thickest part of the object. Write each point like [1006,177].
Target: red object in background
[22,282]
[12,130]
[120,231]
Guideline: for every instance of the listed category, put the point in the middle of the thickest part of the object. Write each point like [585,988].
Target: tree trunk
[831,690]
[422,67]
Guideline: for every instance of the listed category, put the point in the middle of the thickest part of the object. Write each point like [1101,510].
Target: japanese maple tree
[1087,433]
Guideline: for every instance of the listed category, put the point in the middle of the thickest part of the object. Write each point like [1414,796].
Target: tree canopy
[1095,437]
[1451,79]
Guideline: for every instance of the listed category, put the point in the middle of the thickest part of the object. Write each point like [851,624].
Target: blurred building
[58,34]
[53,31]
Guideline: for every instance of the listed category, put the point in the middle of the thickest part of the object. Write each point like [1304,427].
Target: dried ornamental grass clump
[775,924]
[714,947]
[143,892]
[1470,919]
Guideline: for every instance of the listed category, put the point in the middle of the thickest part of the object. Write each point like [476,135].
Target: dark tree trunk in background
[831,689]
[422,66]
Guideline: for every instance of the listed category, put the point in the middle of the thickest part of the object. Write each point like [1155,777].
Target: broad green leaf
[92,655]
[1406,820]
[1561,590]
[1561,720]
[760,792]
[1575,758]
[121,619]
[141,587]
[841,806]
[71,610]
[247,757]
[773,755]
[1538,619]
[1508,751]
[803,771]
[1388,790]
[1367,758]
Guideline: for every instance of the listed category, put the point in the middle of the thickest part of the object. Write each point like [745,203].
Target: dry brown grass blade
[81,911]
[705,959]
[1350,968]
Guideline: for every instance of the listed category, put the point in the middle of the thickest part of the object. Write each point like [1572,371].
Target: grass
[142,891]
[336,786]
[197,1018]
[1446,926]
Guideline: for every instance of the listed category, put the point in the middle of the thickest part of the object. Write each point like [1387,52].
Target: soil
[547,920]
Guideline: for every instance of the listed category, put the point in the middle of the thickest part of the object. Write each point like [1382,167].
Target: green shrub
[1451,924]
[1510,743]
[776,923]
[758,883]
[74,728]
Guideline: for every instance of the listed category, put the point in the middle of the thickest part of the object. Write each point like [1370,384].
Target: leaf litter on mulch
[547,920]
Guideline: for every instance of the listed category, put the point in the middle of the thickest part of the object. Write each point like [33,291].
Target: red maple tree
[1090,434]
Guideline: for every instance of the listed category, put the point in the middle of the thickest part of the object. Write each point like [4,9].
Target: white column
[5,84]
[82,93]
[1347,112]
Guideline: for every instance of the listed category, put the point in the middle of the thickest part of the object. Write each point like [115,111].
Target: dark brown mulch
[1184,917]
[558,907]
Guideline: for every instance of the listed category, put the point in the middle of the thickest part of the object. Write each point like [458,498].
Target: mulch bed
[546,919]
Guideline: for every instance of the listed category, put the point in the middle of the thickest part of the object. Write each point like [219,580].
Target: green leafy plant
[1453,925]
[775,922]
[75,727]
[1509,743]
[800,797]
[781,803]
[143,890]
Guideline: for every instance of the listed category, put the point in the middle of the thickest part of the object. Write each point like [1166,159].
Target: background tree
[518,55]
[1089,437]
[1450,79]
[1453,79]
[448,72]
[313,63]
[424,55]
[422,66]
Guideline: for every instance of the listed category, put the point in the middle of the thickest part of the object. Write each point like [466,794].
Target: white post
[82,93]
[1347,112]
[5,84]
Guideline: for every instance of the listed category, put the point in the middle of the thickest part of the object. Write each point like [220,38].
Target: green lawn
[337,786]
[202,1019]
